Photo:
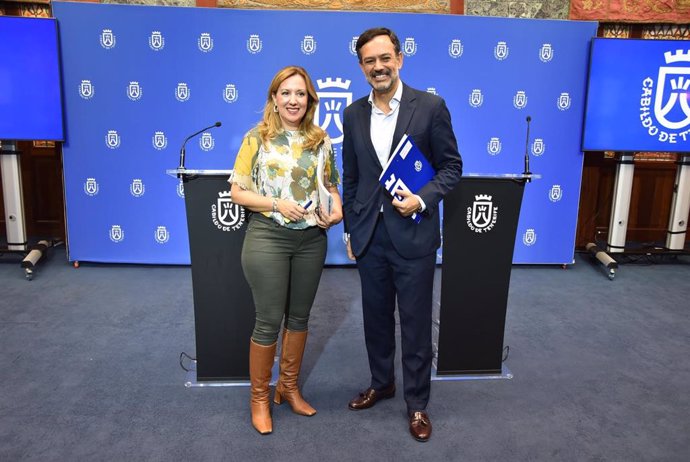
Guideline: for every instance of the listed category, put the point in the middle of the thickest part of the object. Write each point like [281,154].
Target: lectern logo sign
[455,48]
[308,45]
[91,187]
[162,234]
[137,188]
[493,147]
[555,193]
[530,237]
[116,233]
[671,105]
[107,39]
[225,214]
[482,215]
[546,53]
[333,102]
[86,89]
[205,42]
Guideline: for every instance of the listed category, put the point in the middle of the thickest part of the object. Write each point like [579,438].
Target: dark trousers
[384,275]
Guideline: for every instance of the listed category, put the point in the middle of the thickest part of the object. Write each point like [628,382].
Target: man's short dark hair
[370,34]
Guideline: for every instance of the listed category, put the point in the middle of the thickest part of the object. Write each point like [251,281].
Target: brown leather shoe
[370,396]
[420,426]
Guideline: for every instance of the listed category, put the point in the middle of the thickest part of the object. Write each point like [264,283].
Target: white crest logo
[206,142]
[86,89]
[182,92]
[671,105]
[308,45]
[333,102]
[254,44]
[501,51]
[116,233]
[530,237]
[112,139]
[107,39]
[417,166]
[137,188]
[353,45]
[134,91]
[482,216]
[162,235]
[555,193]
[91,187]
[520,100]
[205,42]
[455,48]
[156,41]
[160,141]
[225,214]
[180,189]
[476,98]
[432,90]
[538,147]
[546,53]
[230,93]
[564,102]
[493,147]
[409,47]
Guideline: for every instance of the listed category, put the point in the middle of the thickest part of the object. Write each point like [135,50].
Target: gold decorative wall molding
[409,6]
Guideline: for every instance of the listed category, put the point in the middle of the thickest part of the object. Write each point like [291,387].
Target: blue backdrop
[137,80]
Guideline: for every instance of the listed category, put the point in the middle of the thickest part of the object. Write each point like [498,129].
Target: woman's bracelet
[275,205]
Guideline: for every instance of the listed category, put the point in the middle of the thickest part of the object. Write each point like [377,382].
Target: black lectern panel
[479,225]
[223,304]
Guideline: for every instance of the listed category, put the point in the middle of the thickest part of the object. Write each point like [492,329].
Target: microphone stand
[181,167]
[527,171]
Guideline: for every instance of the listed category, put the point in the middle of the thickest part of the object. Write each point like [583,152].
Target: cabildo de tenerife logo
[206,142]
[670,119]
[308,45]
[134,91]
[501,51]
[455,48]
[156,41]
[205,42]
[107,39]
[91,187]
[476,98]
[334,97]
[555,193]
[432,90]
[481,217]
[230,94]
[409,47]
[563,102]
[112,139]
[546,53]
[182,92]
[530,237]
[520,100]
[117,234]
[86,89]
[254,44]
[160,141]
[162,235]
[225,214]
[137,188]
[180,189]
[538,147]
[493,147]
[353,45]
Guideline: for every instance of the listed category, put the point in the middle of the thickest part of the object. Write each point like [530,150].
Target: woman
[285,245]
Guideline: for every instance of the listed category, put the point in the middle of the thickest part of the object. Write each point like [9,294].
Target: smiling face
[292,99]
[380,64]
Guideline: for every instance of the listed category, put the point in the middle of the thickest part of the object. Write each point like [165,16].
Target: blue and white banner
[137,80]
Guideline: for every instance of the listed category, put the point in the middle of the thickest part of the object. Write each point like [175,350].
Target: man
[396,257]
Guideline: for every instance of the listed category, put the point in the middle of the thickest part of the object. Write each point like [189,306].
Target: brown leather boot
[290,363]
[260,365]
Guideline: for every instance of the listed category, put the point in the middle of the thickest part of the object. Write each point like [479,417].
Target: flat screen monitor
[638,96]
[30,98]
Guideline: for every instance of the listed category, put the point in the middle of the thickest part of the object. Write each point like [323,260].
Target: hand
[326,221]
[350,255]
[408,205]
[292,211]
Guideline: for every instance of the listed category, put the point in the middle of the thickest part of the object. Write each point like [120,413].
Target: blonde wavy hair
[271,125]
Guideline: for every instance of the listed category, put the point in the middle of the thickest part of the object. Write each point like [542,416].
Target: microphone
[182,149]
[527,172]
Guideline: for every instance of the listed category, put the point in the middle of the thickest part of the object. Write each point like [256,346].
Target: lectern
[480,218]
[223,304]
